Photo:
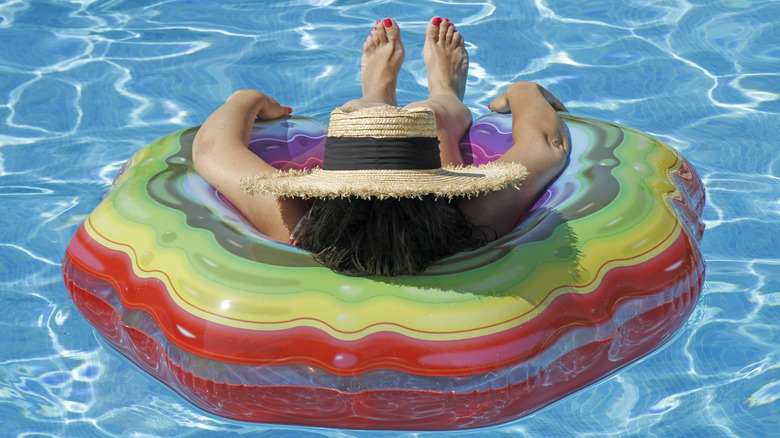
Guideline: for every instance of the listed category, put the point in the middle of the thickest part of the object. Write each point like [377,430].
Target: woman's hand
[230,126]
[501,103]
[266,107]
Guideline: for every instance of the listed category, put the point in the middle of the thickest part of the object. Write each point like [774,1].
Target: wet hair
[388,237]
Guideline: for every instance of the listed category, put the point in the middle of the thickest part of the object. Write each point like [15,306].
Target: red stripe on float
[390,409]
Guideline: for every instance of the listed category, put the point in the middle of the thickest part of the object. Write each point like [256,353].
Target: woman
[382,234]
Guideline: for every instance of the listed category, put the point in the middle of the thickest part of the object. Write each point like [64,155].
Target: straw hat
[384,152]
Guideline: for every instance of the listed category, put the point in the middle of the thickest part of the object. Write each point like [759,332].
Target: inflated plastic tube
[604,269]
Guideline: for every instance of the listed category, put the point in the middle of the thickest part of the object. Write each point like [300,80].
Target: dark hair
[360,237]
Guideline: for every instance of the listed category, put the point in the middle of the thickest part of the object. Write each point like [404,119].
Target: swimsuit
[294,235]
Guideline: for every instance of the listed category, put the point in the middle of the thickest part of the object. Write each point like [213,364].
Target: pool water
[85,84]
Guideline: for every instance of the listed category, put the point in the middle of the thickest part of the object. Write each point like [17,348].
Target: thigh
[453,119]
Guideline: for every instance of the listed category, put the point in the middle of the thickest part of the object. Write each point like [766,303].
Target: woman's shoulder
[276,217]
[499,210]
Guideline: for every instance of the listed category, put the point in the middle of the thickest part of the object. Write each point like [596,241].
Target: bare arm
[221,156]
[540,143]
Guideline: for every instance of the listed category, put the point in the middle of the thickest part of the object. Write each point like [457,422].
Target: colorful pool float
[603,270]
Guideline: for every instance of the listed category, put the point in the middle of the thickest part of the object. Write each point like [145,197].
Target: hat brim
[446,182]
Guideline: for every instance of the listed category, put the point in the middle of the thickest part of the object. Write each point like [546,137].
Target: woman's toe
[444,27]
[391,29]
[432,31]
[451,33]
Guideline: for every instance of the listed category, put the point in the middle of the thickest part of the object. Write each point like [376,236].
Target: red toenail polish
[446,19]
[436,21]
[388,22]
[377,21]
[373,28]
[289,110]
[452,24]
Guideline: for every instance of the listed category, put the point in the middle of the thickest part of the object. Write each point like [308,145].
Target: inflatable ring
[604,269]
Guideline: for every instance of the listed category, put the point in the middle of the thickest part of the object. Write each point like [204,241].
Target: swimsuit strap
[294,235]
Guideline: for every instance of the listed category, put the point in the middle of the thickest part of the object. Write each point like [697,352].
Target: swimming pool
[86,84]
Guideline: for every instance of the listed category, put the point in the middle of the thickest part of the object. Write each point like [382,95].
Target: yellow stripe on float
[479,316]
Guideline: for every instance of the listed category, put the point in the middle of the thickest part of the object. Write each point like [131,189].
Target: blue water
[85,84]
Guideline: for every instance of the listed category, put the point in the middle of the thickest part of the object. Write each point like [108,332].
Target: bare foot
[383,54]
[445,58]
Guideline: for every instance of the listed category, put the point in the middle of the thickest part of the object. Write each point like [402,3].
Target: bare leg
[447,62]
[383,54]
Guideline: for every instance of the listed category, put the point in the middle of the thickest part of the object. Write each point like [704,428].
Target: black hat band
[364,153]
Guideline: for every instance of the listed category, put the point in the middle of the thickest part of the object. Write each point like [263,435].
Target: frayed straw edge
[253,185]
